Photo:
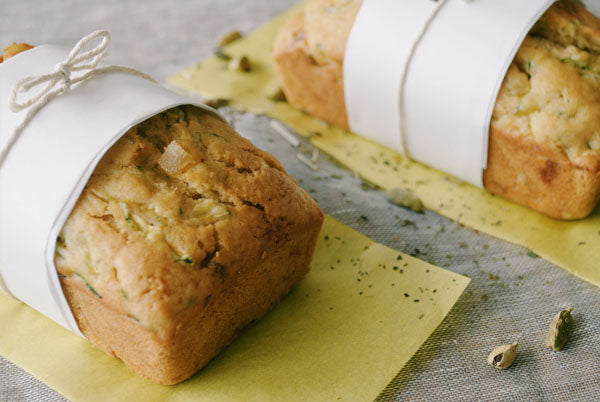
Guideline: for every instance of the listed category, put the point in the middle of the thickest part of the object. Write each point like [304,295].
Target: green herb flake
[219,54]
[91,288]
[217,103]
[532,254]
[406,222]
[133,317]
[125,211]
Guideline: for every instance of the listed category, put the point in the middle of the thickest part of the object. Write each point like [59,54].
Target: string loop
[60,81]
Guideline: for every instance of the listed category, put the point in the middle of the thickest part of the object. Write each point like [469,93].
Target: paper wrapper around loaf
[49,165]
[71,136]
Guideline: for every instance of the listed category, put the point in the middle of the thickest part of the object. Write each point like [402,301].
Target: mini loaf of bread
[184,234]
[544,145]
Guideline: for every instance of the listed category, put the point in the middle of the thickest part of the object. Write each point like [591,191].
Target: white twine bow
[60,81]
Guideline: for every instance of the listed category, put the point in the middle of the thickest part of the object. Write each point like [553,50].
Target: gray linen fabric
[512,295]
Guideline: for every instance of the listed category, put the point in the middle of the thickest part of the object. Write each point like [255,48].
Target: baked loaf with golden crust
[184,235]
[544,145]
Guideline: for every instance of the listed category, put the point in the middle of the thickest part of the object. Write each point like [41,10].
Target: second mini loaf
[544,140]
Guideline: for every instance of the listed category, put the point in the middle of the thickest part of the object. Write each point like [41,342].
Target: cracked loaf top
[551,90]
[171,210]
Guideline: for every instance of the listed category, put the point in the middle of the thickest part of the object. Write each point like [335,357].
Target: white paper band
[50,163]
[375,63]
[426,87]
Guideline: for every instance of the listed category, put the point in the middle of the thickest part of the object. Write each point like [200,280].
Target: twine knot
[65,80]
[60,81]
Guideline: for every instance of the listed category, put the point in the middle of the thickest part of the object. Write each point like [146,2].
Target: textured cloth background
[512,296]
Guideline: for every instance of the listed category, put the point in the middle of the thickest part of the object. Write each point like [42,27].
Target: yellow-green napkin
[342,334]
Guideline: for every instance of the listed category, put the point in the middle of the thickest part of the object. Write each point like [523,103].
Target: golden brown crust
[13,50]
[569,23]
[202,331]
[540,177]
[328,24]
[178,254]
[311,86]
[549,103]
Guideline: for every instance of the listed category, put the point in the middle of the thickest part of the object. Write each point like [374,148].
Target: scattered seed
[228,38]
[560,329]
[277,95]
[405,198]
[240,63]
[503,356]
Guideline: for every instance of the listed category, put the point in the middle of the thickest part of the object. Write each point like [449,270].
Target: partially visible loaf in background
[14,49]
[544,145]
